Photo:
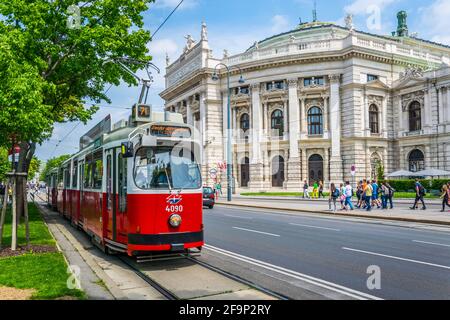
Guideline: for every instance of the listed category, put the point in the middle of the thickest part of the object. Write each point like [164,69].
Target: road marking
[433,243]
[255,231]
[231,216]
[297,275]
[397,258]
[308,226]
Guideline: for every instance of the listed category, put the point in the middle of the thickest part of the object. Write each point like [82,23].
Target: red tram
[136,189]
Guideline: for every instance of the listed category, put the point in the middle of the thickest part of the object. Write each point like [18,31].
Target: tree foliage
[34,168]
[4,164]
[50,70]
[51,164]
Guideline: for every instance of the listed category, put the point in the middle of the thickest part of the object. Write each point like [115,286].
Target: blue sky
[235,25]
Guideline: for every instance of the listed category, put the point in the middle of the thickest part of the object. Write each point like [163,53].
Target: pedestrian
[390,194]
[334,194]
[321,189]
[2,193]
[384,192]
[342,197]
[375,192]
[315,190]
[306,190]
[348,196]
[359,193]
[219,189]
[420,193]
[445,197]
[368,191]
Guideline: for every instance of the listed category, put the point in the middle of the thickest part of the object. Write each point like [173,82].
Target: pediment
[409,82]
[377,84]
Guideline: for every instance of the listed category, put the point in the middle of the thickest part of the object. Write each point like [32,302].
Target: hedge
[408,185]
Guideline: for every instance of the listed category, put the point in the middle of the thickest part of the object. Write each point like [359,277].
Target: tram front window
[166,168]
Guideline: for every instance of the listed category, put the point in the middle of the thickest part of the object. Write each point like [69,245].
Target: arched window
[315,164]
[315,121]
[277,171]
[245,122]
[277,121]
[375,162]
[416,161]
[373,119]
[415,117]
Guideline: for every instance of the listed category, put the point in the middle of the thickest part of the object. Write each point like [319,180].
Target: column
[189,117]
[203,121]
[265,117]
[364,120]
[285,119]
[326,173]
[336,173]
[304,166]
[256,165]
[293,180]
[326,114]
[304,129]
[384,130]
[447,106]
[427,110]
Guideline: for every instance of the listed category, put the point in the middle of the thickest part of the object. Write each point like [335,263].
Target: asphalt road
[307,257]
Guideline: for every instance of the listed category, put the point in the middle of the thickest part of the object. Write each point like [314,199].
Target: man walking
[305,191]
[348,196]
[420,193]
[368,191]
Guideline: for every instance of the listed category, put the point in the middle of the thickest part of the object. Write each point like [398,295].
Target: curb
[436,222]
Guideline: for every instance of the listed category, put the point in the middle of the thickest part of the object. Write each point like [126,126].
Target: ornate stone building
[316,101]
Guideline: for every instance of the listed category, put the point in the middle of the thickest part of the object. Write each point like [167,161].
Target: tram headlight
[175,220]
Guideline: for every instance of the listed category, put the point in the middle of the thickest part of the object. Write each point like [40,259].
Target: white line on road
[231,216]
[397,258]
[316,227]
[296,275]
[433,243]
[250,230]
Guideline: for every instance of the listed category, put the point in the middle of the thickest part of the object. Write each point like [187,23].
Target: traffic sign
[353,170]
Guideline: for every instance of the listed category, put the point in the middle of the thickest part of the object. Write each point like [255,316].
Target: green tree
[51,164]
[50,68]
[34,168]
[4,163]
[380,171]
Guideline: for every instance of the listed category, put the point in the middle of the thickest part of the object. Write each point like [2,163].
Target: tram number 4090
[174,208]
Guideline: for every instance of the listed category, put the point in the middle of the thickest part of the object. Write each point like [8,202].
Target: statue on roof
[189,43]
[167,60]
[256,45]
[204,32]
[225,54]
[349,22]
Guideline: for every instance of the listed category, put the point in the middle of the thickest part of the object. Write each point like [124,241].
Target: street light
[215,77]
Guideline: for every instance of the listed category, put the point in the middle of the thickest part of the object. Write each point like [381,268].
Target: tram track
[163,291]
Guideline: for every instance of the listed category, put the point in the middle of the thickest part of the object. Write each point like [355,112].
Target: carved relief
[376,100]
[418,96]
[313,103]
[184,70]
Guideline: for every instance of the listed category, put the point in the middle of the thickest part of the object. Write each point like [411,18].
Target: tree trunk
[3,215]
[26,154]
[14,216]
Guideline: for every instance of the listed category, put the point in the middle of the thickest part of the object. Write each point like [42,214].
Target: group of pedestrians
[317,190]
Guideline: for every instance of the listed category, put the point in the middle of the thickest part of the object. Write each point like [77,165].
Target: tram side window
[60,177]
[66,178]
[97,170]
[87,172]
[122,184]
[74,174]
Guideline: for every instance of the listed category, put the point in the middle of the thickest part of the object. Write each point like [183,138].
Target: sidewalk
[292,204]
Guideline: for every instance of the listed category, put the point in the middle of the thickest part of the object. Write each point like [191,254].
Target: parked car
[209,199]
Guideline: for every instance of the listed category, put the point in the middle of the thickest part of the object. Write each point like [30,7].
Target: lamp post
[215,77]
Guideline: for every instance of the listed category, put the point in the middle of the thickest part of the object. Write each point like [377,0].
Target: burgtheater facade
[316,101]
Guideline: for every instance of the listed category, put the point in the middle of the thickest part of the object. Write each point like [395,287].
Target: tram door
[111,194]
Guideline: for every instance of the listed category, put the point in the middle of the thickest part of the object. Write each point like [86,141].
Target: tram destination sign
[170,131]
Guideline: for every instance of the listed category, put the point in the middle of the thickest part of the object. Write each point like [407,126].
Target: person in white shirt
[348,196]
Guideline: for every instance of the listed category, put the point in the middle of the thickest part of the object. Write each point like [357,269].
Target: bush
[408,185]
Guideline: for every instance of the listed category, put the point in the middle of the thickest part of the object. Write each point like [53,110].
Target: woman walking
[334,194]
[445,197]
[321,190]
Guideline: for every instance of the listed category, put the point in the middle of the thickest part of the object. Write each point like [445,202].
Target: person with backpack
[368,191]
[334,194]
[384,192]
[390,194]
[420,193]
[306,191]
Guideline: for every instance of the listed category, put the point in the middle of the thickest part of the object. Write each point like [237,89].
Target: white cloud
[279,23]
[359,7]
[435,22]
